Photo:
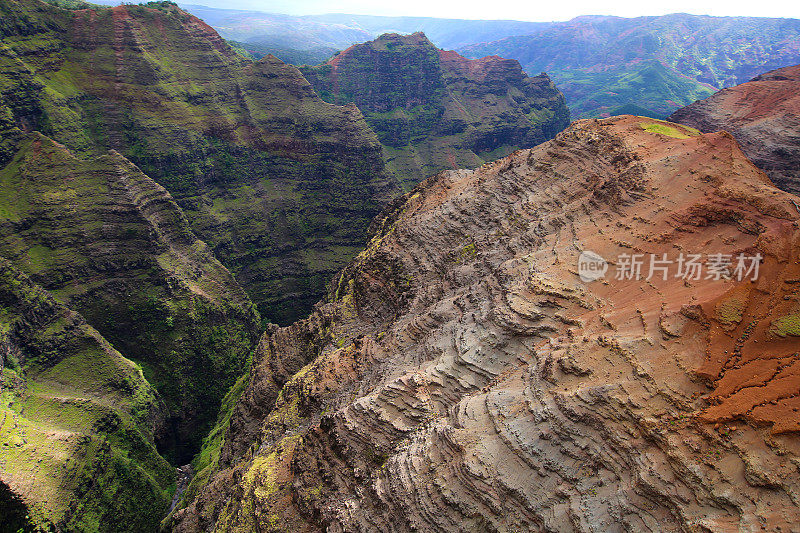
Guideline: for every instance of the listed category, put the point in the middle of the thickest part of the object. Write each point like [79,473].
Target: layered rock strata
[280,184]
[434,109]
[461,376]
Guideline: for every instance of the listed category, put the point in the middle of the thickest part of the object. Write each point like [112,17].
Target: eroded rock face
[434,109]
[280,184]
[764,117]
[462,377]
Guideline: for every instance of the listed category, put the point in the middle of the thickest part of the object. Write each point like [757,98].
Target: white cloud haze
[515,9]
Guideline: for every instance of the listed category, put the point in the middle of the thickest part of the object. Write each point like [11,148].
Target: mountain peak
[434,109]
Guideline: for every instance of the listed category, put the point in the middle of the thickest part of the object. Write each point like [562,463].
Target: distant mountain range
[339,31]
[604,65]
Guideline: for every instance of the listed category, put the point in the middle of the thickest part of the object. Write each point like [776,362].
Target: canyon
[462,376]
[97,260]
[230,139]
[162,200]
[604,65]
[396,291]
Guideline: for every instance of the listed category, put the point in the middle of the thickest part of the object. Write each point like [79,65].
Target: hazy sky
[515,9]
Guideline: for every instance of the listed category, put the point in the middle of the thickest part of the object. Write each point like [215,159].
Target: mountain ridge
[230,139]
[340,30]
[589,57]
[433,109]
[460,375]
[762,115]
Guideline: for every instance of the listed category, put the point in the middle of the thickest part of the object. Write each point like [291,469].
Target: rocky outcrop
[279,183]
[77,422]
[433,109]
[463,376]
[764,117]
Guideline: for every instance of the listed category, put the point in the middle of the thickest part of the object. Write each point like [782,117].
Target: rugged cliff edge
[434,109]
[764,117]
[461,376]
[280,184]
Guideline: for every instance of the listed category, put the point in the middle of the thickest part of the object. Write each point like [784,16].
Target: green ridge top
[434,110]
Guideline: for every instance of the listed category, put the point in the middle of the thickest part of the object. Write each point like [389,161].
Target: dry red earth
[764,117]
[462,376]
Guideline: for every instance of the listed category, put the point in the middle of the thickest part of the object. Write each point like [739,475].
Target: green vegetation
[206,462]
[730,310]
[292,56]
[240,49]
[106,241]
[314,169]
[633,109]
[431,112]
[648,66]
[677,132]
[72,4]
[79,416]
[280,183]
[651,87]
[787,325]
[467,253]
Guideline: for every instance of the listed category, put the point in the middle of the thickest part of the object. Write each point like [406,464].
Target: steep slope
[764,117]
[433,109]
[280,184]
[462,377]
[110,243]
[76,422]
[656,63]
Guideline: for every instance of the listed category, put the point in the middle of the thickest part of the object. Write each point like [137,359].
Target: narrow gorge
[396,291]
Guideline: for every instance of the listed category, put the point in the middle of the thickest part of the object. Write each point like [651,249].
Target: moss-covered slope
[433,109]
[281,184]
[77,421]
[109,242]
